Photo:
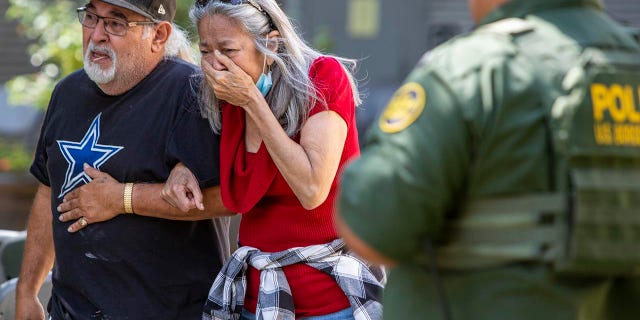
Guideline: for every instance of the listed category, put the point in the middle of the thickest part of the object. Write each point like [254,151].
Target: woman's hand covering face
[231,84]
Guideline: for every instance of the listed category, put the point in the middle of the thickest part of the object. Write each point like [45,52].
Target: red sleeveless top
[273,219]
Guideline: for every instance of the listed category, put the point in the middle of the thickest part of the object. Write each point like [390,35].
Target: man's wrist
[25,290]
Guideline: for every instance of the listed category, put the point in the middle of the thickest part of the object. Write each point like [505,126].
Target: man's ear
[273,43]
[161,35]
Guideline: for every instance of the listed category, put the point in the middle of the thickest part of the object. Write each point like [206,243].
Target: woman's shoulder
[325,63]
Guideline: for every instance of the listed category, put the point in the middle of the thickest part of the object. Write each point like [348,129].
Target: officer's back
[516,150]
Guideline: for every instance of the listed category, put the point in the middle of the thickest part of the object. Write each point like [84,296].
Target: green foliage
[322,40]
[182,18]
[14,157]
[56,48]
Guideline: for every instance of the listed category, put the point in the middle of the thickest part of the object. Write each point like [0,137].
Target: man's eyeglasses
[253,3]
[114,26]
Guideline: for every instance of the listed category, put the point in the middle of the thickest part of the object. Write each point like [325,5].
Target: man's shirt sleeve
[194,143]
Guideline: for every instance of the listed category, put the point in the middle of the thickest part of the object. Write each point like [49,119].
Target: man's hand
[93,202]
[29,308]
[182,190]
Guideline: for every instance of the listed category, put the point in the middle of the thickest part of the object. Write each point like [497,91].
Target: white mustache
[99,49]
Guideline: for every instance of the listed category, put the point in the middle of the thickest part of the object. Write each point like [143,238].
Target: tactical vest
[591,225]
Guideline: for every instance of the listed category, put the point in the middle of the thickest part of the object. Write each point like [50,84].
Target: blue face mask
[265,82]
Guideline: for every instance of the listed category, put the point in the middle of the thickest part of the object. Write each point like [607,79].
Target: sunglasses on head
[202,3]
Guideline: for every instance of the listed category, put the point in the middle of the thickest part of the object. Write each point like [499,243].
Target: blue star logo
[86,151]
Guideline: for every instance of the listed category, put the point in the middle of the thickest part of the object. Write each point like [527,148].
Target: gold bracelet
[128,197]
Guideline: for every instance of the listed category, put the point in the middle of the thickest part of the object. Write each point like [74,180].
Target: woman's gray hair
[293,94]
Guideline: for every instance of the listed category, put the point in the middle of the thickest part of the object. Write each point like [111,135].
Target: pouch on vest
[596,130]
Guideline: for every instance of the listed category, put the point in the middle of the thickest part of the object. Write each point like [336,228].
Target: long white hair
[178,45]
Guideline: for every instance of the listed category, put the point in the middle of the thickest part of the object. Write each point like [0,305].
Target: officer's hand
[182,190]
[96,201]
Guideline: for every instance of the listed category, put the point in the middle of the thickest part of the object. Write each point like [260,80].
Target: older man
[502,180]
[130,114]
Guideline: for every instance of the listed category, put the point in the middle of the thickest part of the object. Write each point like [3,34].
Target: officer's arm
[358,246]
[398,192]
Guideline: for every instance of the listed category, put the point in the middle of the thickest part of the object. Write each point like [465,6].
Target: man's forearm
[147,201]
[104,198]
[38,254]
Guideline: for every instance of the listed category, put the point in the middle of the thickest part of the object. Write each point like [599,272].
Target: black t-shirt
[130,267]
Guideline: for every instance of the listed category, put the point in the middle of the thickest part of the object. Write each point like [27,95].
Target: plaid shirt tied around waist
[275,302]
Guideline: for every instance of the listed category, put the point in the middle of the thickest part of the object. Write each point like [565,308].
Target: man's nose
[99,34]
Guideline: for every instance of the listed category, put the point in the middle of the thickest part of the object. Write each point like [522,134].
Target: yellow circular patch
[405,107]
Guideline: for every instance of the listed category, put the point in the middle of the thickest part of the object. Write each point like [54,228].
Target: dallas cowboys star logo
[86,151]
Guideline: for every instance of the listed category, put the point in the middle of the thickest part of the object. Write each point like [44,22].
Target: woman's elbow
[310,205]
[313,197]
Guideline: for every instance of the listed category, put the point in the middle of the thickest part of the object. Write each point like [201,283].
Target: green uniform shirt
[468,124]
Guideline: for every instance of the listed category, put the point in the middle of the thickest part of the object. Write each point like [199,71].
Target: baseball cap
[157,10]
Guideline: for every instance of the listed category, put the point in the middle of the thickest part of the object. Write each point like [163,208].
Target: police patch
[405,107]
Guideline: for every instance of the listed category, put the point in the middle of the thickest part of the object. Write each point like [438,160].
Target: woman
[286,115]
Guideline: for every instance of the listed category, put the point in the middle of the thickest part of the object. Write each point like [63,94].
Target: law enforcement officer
[503,179]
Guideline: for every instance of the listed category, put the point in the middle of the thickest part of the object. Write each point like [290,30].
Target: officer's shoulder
[509,26]
[470,51]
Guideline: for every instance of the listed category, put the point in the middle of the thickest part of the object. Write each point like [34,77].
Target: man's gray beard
[94,71]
